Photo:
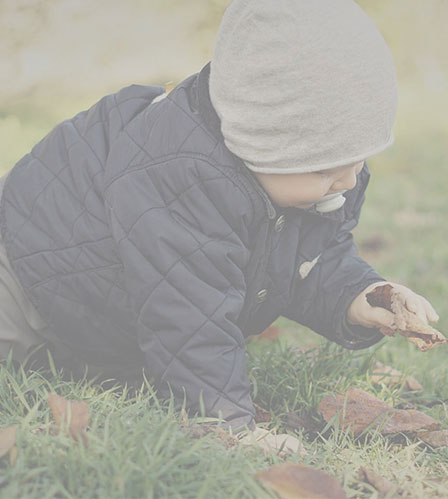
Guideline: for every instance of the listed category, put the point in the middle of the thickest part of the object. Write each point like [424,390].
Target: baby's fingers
[415,305]
[422,309]
[431,314]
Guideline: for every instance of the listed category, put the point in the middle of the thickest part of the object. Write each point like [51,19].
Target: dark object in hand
[406,323]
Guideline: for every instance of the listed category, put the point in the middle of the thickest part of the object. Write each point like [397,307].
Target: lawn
[140,447]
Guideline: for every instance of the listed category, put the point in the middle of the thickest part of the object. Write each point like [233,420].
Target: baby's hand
[361,313]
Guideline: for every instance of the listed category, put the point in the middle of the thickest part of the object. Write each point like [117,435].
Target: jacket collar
[201,95]
[204,103]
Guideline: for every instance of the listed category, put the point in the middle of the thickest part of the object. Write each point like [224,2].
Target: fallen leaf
[412,384]
[74,415]
[391,377]
[261,415]
[360,410]
[382,485]
[406,323]
[434,438]
[409,421]
[373,244]
[296,481]
[7,440]
[270,333]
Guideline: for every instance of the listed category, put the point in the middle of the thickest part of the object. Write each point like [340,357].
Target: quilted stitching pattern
[139,239]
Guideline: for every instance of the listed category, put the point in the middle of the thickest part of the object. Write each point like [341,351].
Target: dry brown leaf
[359,410]
[412,384]
[409,421]
[74,414]
[381,296]
[262,415]
[405,323]
[296,481]
[391,377]
[373,244]
[7,440]
[382,485]
[434,438]
[271,333]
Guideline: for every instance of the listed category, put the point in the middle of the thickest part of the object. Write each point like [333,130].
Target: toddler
[159,231]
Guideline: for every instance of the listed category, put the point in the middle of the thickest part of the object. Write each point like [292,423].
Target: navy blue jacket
[140,238]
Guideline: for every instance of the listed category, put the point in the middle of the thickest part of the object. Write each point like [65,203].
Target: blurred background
[58,57]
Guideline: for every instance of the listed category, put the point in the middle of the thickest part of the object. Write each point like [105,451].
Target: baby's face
[302,190]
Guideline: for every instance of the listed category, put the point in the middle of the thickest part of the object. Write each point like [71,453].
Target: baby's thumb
[382,317]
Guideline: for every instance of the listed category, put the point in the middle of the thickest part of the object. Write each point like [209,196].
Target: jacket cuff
[359,336]
[355,337]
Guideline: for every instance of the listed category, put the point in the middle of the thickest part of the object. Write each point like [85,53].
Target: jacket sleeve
[320,301]
[181,238]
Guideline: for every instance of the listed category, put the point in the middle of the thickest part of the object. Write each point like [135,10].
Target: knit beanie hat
[302,85]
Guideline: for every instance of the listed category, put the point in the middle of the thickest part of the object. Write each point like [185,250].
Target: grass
[137,445]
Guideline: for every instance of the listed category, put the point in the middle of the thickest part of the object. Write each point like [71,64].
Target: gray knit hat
[302,85]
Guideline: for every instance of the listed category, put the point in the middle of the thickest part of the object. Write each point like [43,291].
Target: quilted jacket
[142,240]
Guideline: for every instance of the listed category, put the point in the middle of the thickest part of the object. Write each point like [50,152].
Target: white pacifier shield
[331,202]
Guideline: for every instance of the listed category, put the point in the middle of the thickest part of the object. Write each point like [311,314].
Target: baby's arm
[321,300]
[183,260]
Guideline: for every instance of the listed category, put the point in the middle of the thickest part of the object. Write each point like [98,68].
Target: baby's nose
[347,182]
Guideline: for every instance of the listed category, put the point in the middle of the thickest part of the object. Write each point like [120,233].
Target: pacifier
[330,202]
